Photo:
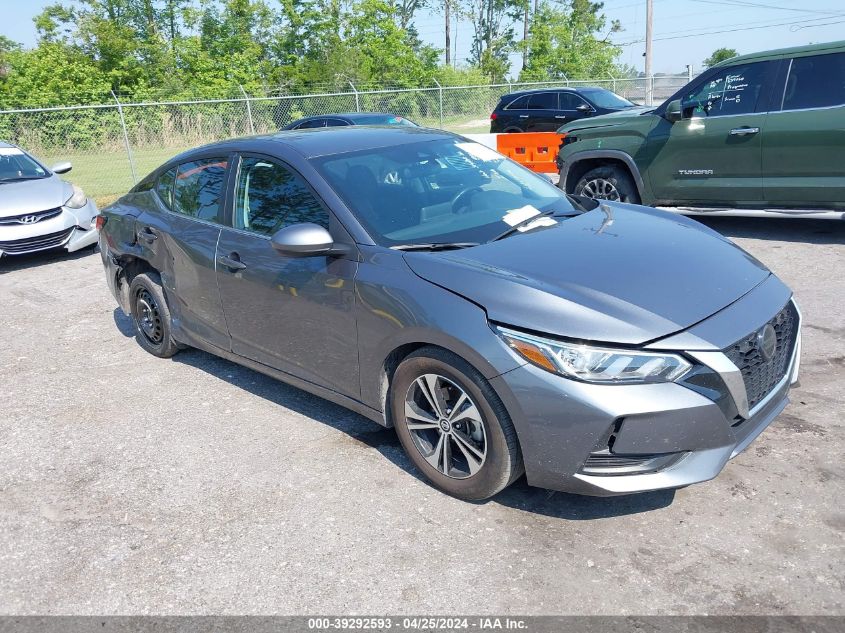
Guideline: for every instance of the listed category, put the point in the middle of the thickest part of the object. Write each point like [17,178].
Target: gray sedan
[38,210]
[433,285]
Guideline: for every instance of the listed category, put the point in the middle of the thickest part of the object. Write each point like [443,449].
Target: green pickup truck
[760,134]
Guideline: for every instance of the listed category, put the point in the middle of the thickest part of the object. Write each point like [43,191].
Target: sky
[685,31]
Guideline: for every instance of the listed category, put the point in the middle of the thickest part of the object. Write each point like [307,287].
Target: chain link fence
[112,146]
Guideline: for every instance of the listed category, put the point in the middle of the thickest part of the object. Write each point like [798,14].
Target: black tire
[151,315]
[514,130]
[608,179]
[502,462]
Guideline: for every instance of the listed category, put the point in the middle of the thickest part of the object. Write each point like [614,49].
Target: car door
[713,155]
[291,313]
[543,110]
[803,155]
[569,102]
[178,232]
[515,115]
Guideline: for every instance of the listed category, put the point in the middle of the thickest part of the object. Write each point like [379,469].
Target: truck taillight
[100,222]
[493,116]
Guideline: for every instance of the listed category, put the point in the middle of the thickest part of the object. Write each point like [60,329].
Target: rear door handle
[523,116]
[231,263]
[147,234]
[560,116]
[744,131]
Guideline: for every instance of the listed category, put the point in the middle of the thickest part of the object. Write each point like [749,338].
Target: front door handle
[560,116]
[523,116]
[744,131]
[231,263]
[147,234]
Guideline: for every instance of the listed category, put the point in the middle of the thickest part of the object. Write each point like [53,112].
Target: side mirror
[305,240]
[61,168]
[673,112]
[583,108]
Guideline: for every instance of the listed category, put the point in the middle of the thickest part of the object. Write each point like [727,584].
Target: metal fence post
[248,110]
[357,104]
[125,138]
[440,94]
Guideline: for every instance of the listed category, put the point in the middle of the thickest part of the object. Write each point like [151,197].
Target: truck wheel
[608,183]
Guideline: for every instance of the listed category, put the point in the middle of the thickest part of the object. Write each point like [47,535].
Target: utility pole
[448,33]
[649,80]
[525,35]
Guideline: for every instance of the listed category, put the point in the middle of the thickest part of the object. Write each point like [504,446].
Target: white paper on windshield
[527,212]
[515,216]
[10,151]
[479,151]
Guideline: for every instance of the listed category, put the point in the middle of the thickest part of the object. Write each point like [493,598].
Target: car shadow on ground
[779,229]
[12,263]
[367,434]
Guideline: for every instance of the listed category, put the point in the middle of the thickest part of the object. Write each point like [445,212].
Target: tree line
[171,49]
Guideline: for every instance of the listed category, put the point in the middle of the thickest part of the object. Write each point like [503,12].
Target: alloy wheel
[446,426]
[601,189]
[149,317]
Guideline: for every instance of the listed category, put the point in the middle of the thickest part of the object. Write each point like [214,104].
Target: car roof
[576,90]
[4,144]
[315,142]
[348,115]
[809,49]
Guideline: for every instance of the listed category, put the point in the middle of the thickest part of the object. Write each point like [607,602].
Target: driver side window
[730,91]
[270,197]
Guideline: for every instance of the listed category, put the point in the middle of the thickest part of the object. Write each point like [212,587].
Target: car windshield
[607,99]
[382,119]
[441,191]
[16,165]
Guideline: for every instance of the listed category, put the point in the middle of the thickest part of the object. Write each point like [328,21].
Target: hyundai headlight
[77,199]
[595,364]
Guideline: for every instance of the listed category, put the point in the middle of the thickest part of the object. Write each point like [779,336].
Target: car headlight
[595,364]
[77,200]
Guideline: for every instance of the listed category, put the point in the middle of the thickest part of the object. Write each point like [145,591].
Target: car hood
[28,196]
[622,117]
[620,274]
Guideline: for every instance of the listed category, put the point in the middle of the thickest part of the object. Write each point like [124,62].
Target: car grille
[759,375]
[31,218]
[37,243]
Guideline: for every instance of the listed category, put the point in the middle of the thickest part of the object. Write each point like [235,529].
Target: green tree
[719,55]
[570,41]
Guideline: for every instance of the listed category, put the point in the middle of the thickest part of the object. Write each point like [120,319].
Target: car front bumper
[606,440]
[72,229]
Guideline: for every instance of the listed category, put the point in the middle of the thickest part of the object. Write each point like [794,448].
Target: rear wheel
[453,426]
[151,315]
[608,183]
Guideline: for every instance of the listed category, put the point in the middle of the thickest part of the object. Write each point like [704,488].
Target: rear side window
[543,101]
[336,123]
[198,189]
[164,187]
[312,123]
[730,91]
[270,197]
[519,104]
[815,82]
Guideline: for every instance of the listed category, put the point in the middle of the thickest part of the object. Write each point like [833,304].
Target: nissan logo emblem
[767,342]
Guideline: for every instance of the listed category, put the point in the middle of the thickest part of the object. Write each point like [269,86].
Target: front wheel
[453,426]
[608,183]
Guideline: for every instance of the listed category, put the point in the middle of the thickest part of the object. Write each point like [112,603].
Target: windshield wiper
[434,246]
[524,222]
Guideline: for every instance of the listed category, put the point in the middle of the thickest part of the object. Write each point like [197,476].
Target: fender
[590,154]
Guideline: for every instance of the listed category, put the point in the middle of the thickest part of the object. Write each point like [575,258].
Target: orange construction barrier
[535,150]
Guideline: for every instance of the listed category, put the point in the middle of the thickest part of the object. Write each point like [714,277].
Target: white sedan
[38,210]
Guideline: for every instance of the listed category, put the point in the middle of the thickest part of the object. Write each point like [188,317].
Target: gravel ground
[132,485]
